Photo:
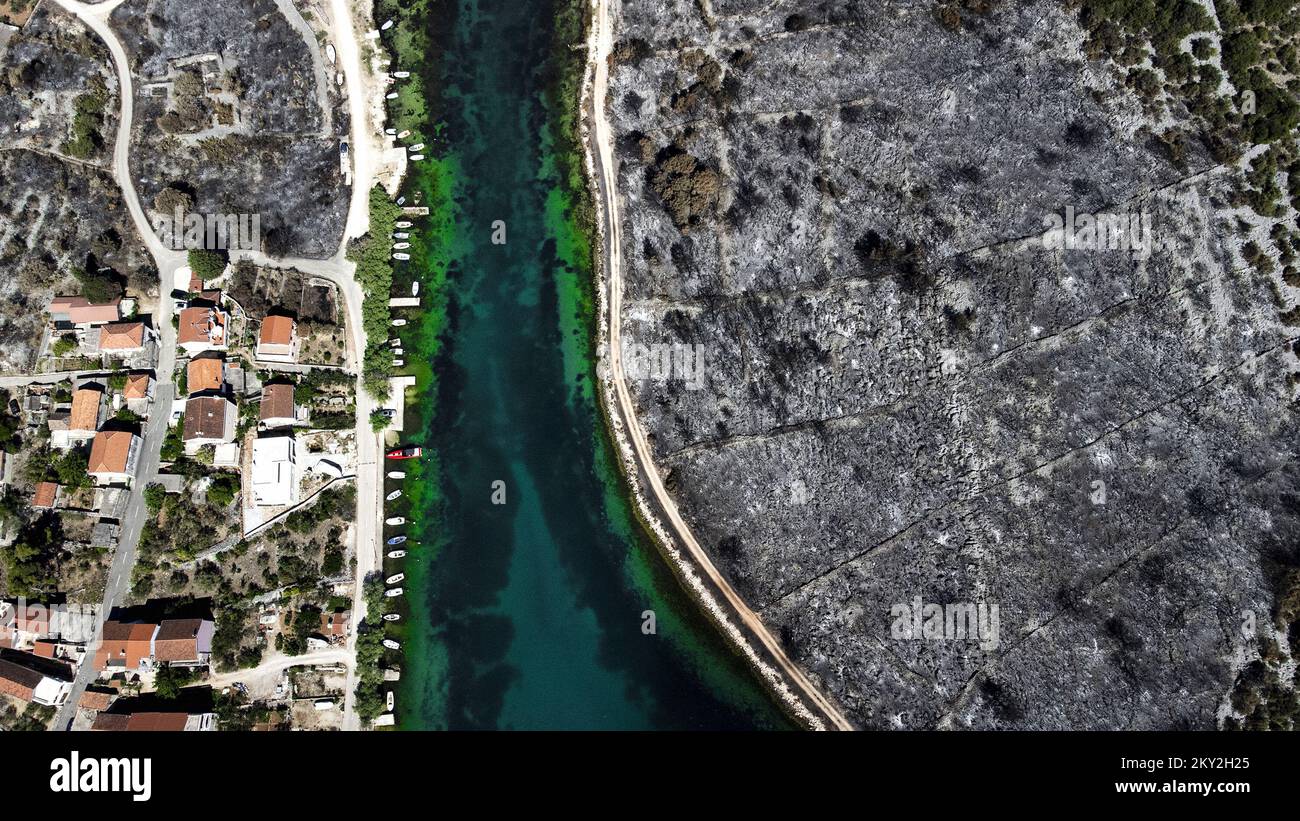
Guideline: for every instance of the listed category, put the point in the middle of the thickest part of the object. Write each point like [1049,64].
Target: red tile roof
[137,386]
[46,494]
[111,451]
[128,643]
[80,310]
[121,336]
[277,402]
[276,330]
[85,409]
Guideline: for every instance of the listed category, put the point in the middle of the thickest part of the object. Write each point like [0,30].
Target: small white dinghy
[416,157]
[401,75]
[401,257]
[386,26]
[391,617]
[401,246]
[392,645]
[416,147]
[403,135]
[401,235]
[396,554]
[395,578]
[404,224]
[395,494]
[392,132]
[397,323]
[415,289]
[392,95]
[395,521]
[392,594]
[396,474]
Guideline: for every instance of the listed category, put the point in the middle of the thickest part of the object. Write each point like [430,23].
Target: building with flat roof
[275,475]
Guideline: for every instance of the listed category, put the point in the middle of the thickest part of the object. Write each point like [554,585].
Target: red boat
[404,453]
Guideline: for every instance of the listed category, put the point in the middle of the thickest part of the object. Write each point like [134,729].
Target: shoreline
[609,375]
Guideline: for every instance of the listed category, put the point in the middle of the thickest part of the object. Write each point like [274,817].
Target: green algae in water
[529,614]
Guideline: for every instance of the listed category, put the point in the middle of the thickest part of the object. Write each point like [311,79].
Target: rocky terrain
[61,214]
[228,117]
[915,388]
[54,68]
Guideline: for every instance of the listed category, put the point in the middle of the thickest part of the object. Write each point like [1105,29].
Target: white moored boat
[396,493]
[400,257]
[401,235]
[392,95]
[396,554]
[392,645]
[415,147]
[386,26]
[392,132]
[416,157]
[401,75]
[401,246]
[396,474]
[396,578]
[397,323]
[394,521]
[392,594]
[415,289]
[403,224]
[403,135]
[391,617]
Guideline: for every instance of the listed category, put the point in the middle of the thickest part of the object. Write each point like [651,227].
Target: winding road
[337,269]
[605,177]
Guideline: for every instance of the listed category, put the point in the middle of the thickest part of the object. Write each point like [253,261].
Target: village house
[122,339]
[28,677]
[277,408]
[203,328]
[274,479]
[46,496]
[114,455]
[138,393]
[22,625]
[209,420]
[141,646]
[334,625]
[154,722]
[278,340]
[69,311]
[87,414]
[205,373]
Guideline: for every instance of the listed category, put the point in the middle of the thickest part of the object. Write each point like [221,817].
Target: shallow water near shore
[528,614]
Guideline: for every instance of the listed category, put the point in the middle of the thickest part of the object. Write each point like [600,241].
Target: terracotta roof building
[30,678]
[209,420]
[87,412]
[79,311]
[182,641]
[121,337]
[46,496]
[126,646]
[335,625]
[154,722]
[277,408]
[202,328]
[94,699]
[278,339]
[138,386]
[113,456]
[204,373]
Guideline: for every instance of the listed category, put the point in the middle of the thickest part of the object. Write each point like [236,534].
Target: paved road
[337,269]
[824,711]
[167,261]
